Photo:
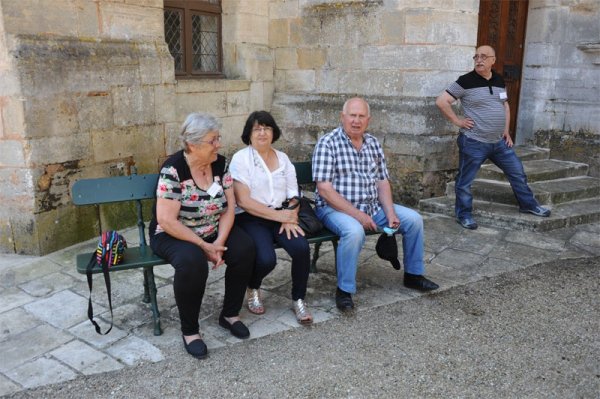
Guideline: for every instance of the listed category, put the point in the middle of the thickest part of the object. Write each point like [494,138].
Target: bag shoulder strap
[94,261]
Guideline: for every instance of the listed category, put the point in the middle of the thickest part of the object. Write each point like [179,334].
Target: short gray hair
[345,107]
[196,126]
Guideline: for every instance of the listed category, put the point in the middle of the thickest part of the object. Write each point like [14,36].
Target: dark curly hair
[262,118]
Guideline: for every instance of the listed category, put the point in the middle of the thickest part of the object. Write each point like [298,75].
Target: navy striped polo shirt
[482,101]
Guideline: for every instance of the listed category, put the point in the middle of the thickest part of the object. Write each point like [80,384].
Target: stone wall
[87,89]
[560,95]
[84,81]
[399,55]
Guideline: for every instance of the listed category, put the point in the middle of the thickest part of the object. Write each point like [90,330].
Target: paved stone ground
[45,336]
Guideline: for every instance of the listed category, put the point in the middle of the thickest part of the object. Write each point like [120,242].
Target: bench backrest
[117,189]
[105,190]
[303,172]
[114,189]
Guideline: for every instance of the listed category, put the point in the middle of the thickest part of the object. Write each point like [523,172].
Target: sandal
[302,313]
[254,302]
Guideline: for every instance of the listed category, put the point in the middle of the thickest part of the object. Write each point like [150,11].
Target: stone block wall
[87,89]
[560,95]
[78,96]
[399,55]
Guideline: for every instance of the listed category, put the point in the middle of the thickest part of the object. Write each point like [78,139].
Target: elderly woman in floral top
[193,225]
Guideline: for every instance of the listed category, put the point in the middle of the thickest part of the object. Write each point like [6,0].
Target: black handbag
[307,218]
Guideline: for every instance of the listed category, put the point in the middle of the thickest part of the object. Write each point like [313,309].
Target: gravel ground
[532,333]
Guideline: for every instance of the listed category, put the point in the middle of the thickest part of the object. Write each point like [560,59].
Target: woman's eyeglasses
[214,141]
[266,129]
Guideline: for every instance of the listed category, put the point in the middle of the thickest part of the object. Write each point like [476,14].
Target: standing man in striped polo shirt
[354,195]
[484,135]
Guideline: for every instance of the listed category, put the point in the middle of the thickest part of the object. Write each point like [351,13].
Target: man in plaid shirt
[354,194]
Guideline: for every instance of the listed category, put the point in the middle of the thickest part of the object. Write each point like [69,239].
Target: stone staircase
[562,186]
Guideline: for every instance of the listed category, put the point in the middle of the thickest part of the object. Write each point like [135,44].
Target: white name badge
[503,95]
[214,189]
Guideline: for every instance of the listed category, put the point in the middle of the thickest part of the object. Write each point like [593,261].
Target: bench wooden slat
[133,258]
[114,189]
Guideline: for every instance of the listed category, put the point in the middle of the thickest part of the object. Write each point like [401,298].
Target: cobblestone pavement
[45,336]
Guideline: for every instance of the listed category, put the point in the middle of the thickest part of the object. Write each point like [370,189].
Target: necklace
[203,172]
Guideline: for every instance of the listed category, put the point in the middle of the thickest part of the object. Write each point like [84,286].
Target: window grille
[193,34]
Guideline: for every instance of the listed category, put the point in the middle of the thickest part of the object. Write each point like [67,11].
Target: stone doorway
[502,26]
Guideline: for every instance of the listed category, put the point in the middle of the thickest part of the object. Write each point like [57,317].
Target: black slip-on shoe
[419,283]
[196,348]
[238,329]
[343,300]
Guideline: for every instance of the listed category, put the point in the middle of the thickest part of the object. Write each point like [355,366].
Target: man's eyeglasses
[482,57]
[214,141]
[266,129]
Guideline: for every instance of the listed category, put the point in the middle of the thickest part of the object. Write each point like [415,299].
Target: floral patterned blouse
[199,211]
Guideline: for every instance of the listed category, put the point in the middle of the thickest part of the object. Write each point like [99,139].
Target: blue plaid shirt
[354,174]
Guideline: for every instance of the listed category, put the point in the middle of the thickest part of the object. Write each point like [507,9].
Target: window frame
[190,8]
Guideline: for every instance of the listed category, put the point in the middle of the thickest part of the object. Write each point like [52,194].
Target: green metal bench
[137,188]
[121,189]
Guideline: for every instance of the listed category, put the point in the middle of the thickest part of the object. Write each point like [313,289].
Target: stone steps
[530,153]
[508,216]
[550,192]
[538,170]
[563,186]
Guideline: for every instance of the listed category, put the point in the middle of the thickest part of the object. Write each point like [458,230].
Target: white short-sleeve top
[266,187]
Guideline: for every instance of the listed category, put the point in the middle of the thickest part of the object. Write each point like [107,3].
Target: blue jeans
[352,238]
[472,154]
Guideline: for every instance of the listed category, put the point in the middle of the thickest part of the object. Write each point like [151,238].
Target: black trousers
[191,272]
[264,232]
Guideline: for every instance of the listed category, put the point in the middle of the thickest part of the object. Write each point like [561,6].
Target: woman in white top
[266,192]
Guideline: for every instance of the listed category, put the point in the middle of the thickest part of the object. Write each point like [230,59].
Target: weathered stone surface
[213,103]
[556,64]
[31,17]
[582,146]
[134,141]
[126,21]
[94,110]
[59,149]
[86,332]
[85,359]
[7,386]
[164,104]
[133,350]
[41,371]
[285,9]
[279,33]
[436,27]
[52,309]
[16,321]
[12,112]
[24,348]
[248,28]
[12,153]
[133,105]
